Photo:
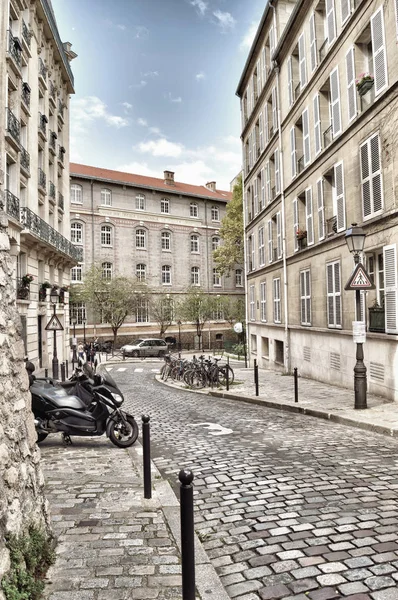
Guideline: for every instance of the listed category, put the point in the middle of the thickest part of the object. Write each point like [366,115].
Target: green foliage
[232,308]
[30,557]
[197,307]
[162,311]
[239,349]
[231,251]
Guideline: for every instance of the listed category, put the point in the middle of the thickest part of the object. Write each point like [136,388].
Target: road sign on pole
[54,324]
[359,280]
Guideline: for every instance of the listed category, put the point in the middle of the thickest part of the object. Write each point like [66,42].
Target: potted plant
[26,280]
[301,234]
[43,290]
[377,317]
[62,290]
[364,83]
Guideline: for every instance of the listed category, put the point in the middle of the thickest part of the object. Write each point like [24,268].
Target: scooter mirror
[97,379]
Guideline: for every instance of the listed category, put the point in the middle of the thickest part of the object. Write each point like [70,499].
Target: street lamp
[355,239]
[54,297]
[84,330]
[179,335]
[74,341]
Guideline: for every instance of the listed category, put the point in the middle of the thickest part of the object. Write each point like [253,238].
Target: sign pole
[55,357]
[360,384]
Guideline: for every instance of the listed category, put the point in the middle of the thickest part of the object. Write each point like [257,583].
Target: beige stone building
[160,231]
[319,154]
[35,84]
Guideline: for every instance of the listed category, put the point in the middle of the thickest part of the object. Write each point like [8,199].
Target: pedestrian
[91,356]
[80,351]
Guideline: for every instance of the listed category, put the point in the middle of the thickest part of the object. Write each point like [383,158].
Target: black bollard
[46,373]
[227,373]
[124,354]
[67,369]
[256,375]
[146,456]
[62,371]
[187,534]
[295,384]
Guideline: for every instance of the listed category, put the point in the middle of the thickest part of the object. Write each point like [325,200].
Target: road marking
[155,370]
[109,368]
[214,428]
[122,369]
[138,370]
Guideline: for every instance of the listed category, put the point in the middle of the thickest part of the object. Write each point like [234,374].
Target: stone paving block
[274,592]
[243,588]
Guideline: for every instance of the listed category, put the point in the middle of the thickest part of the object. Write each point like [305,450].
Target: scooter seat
[57,396]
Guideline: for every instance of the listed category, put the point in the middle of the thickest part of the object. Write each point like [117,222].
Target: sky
[155,84]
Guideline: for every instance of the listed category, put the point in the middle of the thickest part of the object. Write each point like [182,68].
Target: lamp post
[179,335]
[74,341]
[54,297]
[355,239]
[84,330]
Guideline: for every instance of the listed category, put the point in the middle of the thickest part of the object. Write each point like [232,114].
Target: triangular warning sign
[359,280]
[54,324]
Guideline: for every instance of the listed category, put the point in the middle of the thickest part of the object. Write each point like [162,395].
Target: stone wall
[22,500]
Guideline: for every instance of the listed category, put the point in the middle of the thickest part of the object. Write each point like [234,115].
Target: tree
[197,307]
[233,309]
[231,251]
[162,311]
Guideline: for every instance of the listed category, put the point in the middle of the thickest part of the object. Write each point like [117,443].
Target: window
[166,240]
[76,233]
[215,242]
[305,297]
[140,272]
[371,182]
[106,270]
[277,300]
[165,206]
[166,275]
[251,303]
[261,248]
[263,301]
[106,197]
[215,213]
[142,312]
[216,278]
[78,310]
[194,243]
[106,235]
[193,210]
[76,274]
[238,278]
[390,288]
[140,202]
[195,276]
[76,194]
[333,290]
[140,238]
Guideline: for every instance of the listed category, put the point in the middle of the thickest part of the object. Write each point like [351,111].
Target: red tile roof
[77,170]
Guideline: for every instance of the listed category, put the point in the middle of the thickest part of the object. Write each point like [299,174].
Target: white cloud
[127,107]
[142,122]
[200,5]
[155,130]
[200,76]
[110,23]
[139,168]
[161,147]
[248,38]
[141,32]
[177,99]
[151,74]
[225,20]
[138,86]
[89,109]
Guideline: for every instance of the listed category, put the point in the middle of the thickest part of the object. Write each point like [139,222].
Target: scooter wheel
[41,437]
[123,435]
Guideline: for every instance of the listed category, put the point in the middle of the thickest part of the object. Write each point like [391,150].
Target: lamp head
[54,296]
[355,239]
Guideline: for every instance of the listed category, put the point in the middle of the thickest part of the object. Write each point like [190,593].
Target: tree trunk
[115,330]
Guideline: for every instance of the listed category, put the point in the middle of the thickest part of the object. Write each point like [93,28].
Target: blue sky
[155,84]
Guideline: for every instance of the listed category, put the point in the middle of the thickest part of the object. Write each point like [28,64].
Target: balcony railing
[61,203]
[61,154]
[25,160]
[322,50]
[13,126]
[12,205]
[52,92]
[26,33]
[331,225]
[52,191]
[14,49]
[52,142]
[42,70]
[25,94]
[23,290]
[42,181]
[45,232]
[60,109]
[327,136]
[43,124]
[300,164]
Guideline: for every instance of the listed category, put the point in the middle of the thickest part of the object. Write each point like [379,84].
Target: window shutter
[261,130]
[313,50]
[262,173]
[274,109]
[295,223]
[330,20]
[250,150]
[277,175]
[249,97]
[306,137]
[254,143]
[270,242]
[308,216]
[379,51]
[293,152]
[266,124]
[302,296]
[390,289]
[330,295]
[339,191]
[255,195]
[271,42]
[321,209]
[279,234]
[337,293]
[365,176]
[351,86]
[372,196]
[263,67]
[345,10]
[290,79]
[317,125]
[375,164]
[335,101]
[302,61]
[308,296]
[258,77]
[268,181]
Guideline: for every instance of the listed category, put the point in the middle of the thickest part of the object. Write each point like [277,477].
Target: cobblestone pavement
[287,506]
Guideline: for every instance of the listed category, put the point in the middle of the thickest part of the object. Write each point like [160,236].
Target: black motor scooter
[55,410]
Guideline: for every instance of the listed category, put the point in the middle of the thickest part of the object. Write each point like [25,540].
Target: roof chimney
[211,185]
[169,177]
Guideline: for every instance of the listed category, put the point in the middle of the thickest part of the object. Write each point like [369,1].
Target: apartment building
[319,132]
[159,231]
[35,84]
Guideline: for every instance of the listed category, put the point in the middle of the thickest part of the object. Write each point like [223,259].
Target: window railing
[25,159]
[13,126]
[297,91]
[42,70]
[52,190]
[14,49]
[52,91]
[23,290]
[61,154]
[331,225]
[25,94]
[61,203]
[322,50]
[60,109]
[11,205]
[26,33]
[52,142]
[327,136]
[42,181]
[300,164]
[43,124]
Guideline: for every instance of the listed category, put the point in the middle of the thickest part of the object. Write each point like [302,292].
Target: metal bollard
[187,534]
[256,375]
[124,355]
[146,456]
[66,369]
[46,373]
[295,384]
[62,371]
[227,373]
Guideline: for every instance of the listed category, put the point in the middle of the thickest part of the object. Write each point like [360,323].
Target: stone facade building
[159,231]
[320,142]
[35,84]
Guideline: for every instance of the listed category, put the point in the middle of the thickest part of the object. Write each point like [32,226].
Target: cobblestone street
[287,506]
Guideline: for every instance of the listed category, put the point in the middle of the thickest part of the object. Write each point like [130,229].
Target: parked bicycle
[198,372]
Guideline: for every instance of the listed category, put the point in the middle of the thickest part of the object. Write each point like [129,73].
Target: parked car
[145,347]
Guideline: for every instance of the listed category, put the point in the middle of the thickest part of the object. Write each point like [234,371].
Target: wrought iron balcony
[12,205]
[52,92]
[60,110]
[45,232]
[26,33]
[25,160]
[43,124]
[52,142]
[23,290]
[322,50]
[327,136]
[61,203]
[42,70]
[14,49]
[52,191]
[331,225]
[25,94]
[13,126]
[61,154]
[42,181]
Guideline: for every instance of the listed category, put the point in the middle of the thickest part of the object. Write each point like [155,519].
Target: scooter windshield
[107,377]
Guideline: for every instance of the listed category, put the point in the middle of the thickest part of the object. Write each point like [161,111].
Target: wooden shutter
[290,80]
[274,109]
[390,288]
[351,86]
[302,296]
[249,97]
[266,124]
[270,242]
[345,10]
[293,152]
[262,174]
[258,77]
[306,137]
[333,288]
[308,216]
[308,296]
[305,297]
[337,293]
[302,61]
[330,21]
[279,234]
[339,191]
[313,49]
[261,130]
[250,151]
[254,142]
[371,180]
[317,125]
[295,223]
[379,51]
[321,209]
[335,101]
[268,181]
[271,42]
[277,174]
[330,295]
[255,196]
[263,67]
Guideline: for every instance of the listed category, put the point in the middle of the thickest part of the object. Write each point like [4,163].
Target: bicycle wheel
[222,374]
[198,380]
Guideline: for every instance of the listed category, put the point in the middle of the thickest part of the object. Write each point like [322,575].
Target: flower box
[364,83]
[377,319]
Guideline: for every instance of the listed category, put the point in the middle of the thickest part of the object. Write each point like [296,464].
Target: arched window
[215,242]
[193,210]
[166,240]
[165,206]
[76,194]
[140,202]
[166,275]
[106,270]
[106,197]
[195,276]
[106,235]
[76,233]
[140,272]
[140,238]
[215,213]
[194,243]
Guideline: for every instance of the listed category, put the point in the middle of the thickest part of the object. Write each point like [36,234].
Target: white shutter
[345,10]
[274,110]
[250,97]
[371,181]
[254,143]
[351,86]
[302,297]
[317,125]
[321,209]
[333,288]
[290,80]
[295,223]
[313,50]
[266,124]
[261,130]
[379,51]
[258,77]
[263,67]
[335,101]
[262,188]
[293,152]
[330,295]
[270,242]
[390,288]
[339,195]
[268,181]
[306,137]
[330,20]
[277,174]
[250,151]
[302,61]
[308,216]
[337,293]
[279,234]
[255,196]
[271,42]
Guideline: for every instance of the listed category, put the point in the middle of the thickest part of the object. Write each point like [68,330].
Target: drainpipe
[92,222]
[207,250]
